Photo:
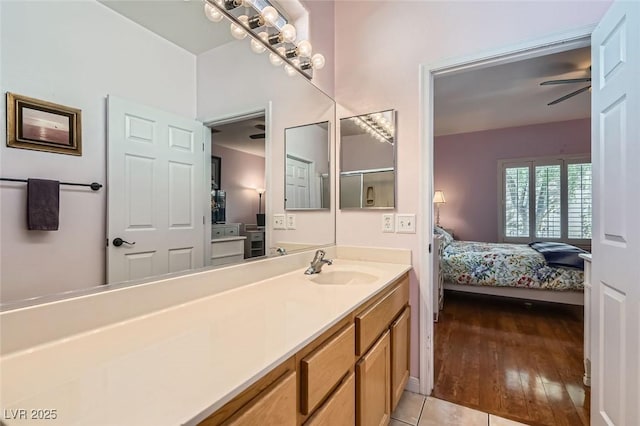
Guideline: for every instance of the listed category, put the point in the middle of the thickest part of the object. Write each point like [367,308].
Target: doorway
[238,188]
[559,43]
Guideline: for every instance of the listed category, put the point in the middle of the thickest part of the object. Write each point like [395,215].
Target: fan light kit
[268,31]
[567,81]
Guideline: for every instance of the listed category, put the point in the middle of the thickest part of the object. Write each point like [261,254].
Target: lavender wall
[466,169]
[242,173]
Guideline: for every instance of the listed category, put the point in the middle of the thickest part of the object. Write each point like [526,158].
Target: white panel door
[298,186]
[615,295]
[155,192]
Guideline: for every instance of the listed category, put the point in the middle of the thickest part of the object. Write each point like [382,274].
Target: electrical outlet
[279,221]
[388,223]
[291,221]
[406,223]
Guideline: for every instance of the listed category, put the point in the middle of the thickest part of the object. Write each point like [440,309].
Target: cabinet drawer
[217,232]
[254,236]
[322,369]
[276,407]
[226,248]
[371,323]
[230,231]
[340,408]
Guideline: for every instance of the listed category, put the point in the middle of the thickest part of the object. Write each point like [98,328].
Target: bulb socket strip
[304,68]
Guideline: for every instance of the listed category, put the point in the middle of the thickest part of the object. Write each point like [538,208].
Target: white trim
[560,42]
[413,385]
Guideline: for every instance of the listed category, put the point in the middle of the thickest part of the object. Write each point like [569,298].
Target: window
[546,199]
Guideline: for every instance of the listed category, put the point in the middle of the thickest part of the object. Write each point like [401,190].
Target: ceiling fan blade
[259,126]
[215,130]
[570,80]
[570,95]
[257,136]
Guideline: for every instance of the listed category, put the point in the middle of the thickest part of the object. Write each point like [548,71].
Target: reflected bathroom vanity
[367,152]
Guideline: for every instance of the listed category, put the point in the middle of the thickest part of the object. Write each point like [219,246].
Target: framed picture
[216,163]
[43,126]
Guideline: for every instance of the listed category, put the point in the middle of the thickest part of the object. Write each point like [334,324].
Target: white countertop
[178,365]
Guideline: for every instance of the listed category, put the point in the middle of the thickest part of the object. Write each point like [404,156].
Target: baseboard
[413,385]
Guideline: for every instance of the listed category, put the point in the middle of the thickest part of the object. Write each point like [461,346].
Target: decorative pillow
[446,237]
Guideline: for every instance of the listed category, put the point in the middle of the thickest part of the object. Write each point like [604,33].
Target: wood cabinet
[400,355]
[322,370]
[340,409]
[277,407]
[373,384]
[353,373]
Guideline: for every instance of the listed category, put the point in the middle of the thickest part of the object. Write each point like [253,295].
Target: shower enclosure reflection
[367,152]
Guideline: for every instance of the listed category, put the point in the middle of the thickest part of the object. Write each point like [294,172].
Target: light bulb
[238,31]
[212,13]
[270,15]
[276,60]
[291,71]
[257,47]
[288,33]
[317,61]
[304,49]
[296,62]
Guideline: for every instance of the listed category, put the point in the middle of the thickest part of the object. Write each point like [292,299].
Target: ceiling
[510,95]
[236,136]
[179,21]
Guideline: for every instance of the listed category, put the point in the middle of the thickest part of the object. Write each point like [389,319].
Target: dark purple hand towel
[43,204]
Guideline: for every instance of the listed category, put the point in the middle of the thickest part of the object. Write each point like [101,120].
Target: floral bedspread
[505,265]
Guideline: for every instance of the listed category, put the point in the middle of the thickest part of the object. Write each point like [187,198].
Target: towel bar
[94,185]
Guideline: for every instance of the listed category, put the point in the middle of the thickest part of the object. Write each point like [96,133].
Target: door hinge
[429,247]
[203,218]
[202,146]
[107,241]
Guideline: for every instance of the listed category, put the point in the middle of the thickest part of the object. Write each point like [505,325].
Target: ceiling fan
[258,135]
[567,81]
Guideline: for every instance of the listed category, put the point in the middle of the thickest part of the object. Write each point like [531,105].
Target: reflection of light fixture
[376,126]
[269,31]
[438,198]
[260,219]
[260,191]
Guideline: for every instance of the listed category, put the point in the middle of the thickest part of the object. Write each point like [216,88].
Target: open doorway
[238,189]
[453,219]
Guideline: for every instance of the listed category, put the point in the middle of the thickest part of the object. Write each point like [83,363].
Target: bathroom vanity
[224,346]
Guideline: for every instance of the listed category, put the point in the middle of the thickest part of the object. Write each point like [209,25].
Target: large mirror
[307,178]
[367,153]
[167,56]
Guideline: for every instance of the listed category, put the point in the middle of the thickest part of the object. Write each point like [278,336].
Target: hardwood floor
[519,361]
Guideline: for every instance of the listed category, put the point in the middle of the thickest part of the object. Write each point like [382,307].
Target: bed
[511,270]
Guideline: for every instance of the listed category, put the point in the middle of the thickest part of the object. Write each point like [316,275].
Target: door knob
[119,241]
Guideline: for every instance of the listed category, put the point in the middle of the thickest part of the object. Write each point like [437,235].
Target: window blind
[547,201]
[516,201]
[579,200]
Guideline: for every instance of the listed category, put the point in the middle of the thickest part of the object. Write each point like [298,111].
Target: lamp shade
[438,197]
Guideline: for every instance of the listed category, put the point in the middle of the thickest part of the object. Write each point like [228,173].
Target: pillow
[560,254]
[446,237]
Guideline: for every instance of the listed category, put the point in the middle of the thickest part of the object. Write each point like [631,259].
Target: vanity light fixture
[376,126]
[268,31]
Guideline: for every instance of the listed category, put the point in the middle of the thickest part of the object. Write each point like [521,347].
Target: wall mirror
[368,158]
[307,179]
[165,55]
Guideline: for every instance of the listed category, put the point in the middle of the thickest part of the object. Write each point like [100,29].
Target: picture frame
[216,174]
[43,126]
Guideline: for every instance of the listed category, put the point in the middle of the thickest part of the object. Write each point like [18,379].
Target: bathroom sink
[343,278]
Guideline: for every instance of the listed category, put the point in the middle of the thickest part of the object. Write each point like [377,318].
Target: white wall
[75,54]
[379,47]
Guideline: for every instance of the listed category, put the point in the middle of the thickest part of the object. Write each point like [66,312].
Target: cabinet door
[400,335]
[340,408]
[276,407]
[373,388]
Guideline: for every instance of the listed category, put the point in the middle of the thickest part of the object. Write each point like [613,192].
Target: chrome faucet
[281,251]
[317,263]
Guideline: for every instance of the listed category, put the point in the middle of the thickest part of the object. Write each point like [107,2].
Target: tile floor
[417,410]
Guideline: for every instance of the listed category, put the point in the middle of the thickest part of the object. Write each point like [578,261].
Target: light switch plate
[279,221]
[291,221]
[406,223]
[388,222]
